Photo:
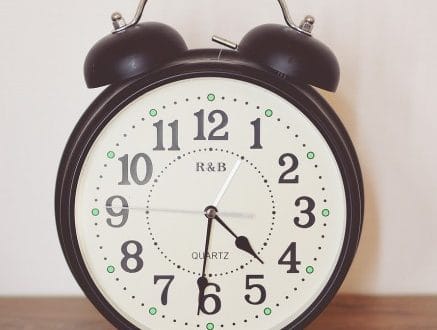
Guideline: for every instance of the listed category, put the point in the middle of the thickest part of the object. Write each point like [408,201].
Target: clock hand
[241,242]
[227,183]
[142,208]
[208,237]
[202,282]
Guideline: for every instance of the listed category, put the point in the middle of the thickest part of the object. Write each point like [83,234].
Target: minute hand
[241,242]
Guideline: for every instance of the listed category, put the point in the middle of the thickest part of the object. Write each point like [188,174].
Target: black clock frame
[206,63]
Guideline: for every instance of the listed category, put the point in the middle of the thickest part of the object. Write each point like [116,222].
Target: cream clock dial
[210,203]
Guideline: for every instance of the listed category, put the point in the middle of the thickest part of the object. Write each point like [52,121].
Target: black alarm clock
[210,188]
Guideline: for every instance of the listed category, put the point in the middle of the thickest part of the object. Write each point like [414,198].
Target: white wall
[388,54]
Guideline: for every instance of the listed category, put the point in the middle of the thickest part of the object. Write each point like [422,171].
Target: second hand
[227,183]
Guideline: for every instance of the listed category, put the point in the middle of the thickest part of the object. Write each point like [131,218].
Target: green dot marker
[268,113]
[95,212]
[211,97]
[267,311]
[153,112]
[210,326]
[311,155]
[325,213]
[111,154]
[110,269]
[310,269]
[153,311]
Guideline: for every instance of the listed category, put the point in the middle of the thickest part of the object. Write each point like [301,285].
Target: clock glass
[210,203]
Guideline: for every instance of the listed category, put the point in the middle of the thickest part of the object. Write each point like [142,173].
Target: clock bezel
[201,64]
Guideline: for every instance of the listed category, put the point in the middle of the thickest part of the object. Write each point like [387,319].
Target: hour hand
[241,242]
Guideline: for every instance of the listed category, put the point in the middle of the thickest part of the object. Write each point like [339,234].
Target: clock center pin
[211,212]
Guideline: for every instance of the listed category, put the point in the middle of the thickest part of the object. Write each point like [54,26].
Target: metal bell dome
[290,50]
[131,50]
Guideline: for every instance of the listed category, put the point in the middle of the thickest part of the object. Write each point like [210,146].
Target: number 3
[308,211]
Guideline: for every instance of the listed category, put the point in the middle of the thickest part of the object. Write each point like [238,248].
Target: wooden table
[346,312]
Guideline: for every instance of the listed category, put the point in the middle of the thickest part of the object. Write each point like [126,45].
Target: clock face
[210,203]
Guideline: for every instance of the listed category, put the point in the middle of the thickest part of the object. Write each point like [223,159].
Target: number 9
[124,211]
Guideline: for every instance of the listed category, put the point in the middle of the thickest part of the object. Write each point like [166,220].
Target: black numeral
[261,289]
[160,136]
[294,165]
[213,298]
[223,117]
[308,211]
[289,258]
[123,213]
[169,279]
[135,256]
[146,169]
[257,134]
